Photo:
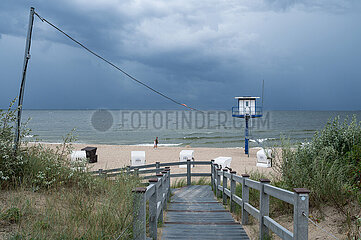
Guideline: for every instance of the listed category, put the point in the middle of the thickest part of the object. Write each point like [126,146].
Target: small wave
[199,133]
[261,140]
[214,137]
[50,143]
[29,136]
[159,145]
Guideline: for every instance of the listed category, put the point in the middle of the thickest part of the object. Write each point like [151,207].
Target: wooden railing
[157,195]
[223,182]
[158,167]
[298,198]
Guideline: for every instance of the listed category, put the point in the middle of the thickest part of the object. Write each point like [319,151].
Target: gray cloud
[202,52]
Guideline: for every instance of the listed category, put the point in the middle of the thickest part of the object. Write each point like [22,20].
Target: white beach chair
[78,160]
[78,156]
[137,158]
[185,155]
[264,158]
[223,161]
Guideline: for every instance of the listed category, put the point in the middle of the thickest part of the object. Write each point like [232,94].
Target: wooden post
[216,180]
[189,179]
[224,186]
[214,166]
[212,174]
[245,199]
[165,181]
[218,194]
[233,191]
[263,210]
[160,196]
[139,222]
[153,210]
[168,193]
[300,211]
[23,79]
[157,165]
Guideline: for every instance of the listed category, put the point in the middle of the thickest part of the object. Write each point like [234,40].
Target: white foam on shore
[260,140]
[50,143]
[160,145]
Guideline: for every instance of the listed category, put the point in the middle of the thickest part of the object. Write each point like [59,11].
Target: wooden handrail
[157,194]
[298,198]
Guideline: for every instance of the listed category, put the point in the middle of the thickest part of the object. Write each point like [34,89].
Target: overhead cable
[113,65]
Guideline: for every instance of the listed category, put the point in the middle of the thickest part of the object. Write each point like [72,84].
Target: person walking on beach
[156,143]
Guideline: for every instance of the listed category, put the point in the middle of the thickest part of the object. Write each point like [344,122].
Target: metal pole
[262,92]
[22,86]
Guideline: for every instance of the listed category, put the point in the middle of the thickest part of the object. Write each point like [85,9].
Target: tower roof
[246,97]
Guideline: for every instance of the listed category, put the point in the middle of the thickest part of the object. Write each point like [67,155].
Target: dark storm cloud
[336,6]
[199,52]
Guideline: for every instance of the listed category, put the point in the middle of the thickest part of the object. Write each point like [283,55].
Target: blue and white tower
[247,108]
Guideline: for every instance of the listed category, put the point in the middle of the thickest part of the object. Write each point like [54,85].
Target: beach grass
[45,196]
[103,211]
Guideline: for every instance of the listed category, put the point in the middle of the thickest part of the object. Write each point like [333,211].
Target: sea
[177,128]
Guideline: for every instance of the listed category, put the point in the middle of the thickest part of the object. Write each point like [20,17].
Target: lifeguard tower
[247,108]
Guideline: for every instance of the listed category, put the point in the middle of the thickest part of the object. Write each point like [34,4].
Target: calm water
[175,128]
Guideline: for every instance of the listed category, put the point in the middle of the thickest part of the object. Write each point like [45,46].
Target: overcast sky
[202,53]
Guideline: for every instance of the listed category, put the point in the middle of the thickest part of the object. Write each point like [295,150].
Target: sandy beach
[115,156]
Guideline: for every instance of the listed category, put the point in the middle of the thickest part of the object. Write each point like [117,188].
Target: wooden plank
[142,166]
[221,210]
[159,208]
[237,200]
[201,162]
[227,192]
[275,227]
[227,175]
[237,178]
[182,231]
[253,184]
[280,193]
[149,192]
[113,170]
[194,213]
[196,202]
[251,210]
[178,175]
[200,174]
[150,170]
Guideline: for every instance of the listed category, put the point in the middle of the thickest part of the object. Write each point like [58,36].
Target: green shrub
[34,165]
[329,165]
[74,204]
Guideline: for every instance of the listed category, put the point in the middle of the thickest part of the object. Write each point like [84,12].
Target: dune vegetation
[330,166]
[45,196]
